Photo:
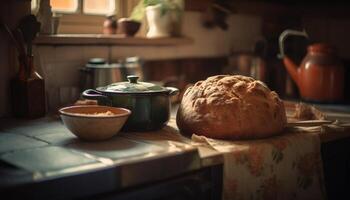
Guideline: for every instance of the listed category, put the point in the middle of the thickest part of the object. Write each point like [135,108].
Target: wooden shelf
[100,39]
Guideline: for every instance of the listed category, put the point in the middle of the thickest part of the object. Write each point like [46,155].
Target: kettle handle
[283,37]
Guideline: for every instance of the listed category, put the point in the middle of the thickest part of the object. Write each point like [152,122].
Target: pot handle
[172,91]
[93,95]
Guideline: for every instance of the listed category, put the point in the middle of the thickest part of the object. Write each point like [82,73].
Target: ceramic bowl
[94,123]
[128,27]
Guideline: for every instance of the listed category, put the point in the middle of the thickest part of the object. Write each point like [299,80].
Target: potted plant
[163,17]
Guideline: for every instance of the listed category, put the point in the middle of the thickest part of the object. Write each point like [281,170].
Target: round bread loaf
[231,107]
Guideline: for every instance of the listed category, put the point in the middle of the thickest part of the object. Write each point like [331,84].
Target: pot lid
[97,61]
[103,66]
[100,63]
[133,86]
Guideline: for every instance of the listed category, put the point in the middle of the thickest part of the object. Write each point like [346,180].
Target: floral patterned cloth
[282,167]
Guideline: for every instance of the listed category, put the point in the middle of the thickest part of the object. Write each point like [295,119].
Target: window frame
[77,11]
[81,11]
[121,9]
[72,22]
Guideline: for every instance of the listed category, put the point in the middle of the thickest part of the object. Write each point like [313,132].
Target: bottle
[110,25]
[44,15]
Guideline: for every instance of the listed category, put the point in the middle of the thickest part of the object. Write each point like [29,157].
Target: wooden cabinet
[336,167]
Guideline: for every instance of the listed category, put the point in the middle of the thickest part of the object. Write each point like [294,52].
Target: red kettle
[320,76]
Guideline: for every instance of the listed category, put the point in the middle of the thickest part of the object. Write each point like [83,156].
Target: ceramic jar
[159,24]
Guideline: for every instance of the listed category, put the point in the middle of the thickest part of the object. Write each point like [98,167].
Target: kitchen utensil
[29,27]
[247,64]
[28,95]
[98,73]
[27,87]
[320,76]
[17,39]
[258,69]
[134,66]
[87,123]
[24,68]
[148,102]
[308,123]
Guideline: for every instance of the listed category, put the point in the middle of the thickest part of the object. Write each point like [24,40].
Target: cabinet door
[336,166]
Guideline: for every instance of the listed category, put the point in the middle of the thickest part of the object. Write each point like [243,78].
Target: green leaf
[163,10]
[165,5]
[138,12]
[151,2]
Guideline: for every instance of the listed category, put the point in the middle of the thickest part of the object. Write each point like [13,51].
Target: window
[64,6]
[99,6]
[34,5]
[86,16]
[94,7]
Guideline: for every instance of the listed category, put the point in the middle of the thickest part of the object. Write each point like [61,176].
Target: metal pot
[149,103]
[97,73]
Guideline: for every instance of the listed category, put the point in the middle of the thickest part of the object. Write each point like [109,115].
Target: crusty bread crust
[231,107]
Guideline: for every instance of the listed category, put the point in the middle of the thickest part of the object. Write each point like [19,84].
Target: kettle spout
[292,69]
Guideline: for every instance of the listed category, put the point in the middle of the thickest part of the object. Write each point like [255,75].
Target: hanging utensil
[18,41]
[30,27]
[23,61]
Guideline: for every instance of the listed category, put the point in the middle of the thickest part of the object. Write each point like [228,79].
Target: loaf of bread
[231,107]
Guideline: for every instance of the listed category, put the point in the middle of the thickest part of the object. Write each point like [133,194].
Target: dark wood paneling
[315,8]
[191,69]
[197,5]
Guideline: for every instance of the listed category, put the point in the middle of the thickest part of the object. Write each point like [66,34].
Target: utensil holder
[28,93]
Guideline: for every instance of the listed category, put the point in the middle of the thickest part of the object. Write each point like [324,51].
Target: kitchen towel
[288,166]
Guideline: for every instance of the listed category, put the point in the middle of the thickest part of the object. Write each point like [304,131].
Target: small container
[87,123]
[97,72]
[134,66]
[28,91]
[110,25]
[128,27]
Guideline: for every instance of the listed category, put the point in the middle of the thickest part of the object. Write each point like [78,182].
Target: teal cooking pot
[149,103]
